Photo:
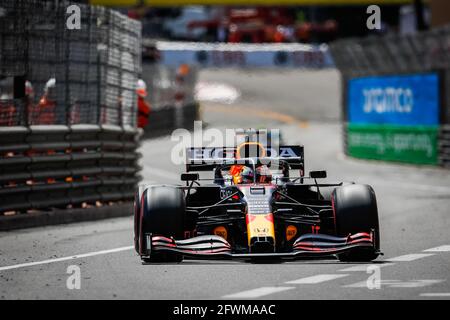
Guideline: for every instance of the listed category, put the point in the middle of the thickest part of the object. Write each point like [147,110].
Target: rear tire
[163,213]
[355,210]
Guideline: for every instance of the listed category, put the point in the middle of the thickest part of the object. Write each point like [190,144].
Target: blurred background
[275,21]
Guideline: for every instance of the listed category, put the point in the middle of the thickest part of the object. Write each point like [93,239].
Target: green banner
[411,144]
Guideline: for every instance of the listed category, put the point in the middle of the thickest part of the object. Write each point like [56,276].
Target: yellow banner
[168,3]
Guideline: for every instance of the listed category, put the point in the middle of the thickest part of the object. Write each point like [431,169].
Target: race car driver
[243,174]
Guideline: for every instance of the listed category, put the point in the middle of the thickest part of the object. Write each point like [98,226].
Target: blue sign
[402,99]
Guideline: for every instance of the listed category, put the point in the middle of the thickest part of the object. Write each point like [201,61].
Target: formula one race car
[254,208]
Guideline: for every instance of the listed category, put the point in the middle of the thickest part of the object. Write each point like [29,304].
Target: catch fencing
[95,67]
[396,97]
[72,143]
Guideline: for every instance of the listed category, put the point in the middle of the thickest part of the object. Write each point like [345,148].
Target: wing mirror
[318,174]
[189,176]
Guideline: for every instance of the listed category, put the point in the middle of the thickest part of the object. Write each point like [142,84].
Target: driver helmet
[244,176]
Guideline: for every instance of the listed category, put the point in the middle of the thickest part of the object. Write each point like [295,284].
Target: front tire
[162,213]
[137,217]
[355,210]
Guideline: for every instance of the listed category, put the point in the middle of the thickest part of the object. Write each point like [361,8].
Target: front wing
[306,246]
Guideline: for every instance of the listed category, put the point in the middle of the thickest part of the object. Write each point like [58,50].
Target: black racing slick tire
[163,213]
[355,210]
[326,192]
[137,211]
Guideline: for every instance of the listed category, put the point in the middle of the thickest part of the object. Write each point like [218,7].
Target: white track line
[435,294]
[414,283]
[404,258]
[78,256]
[410,257]
[256,293]
[397,283]
[363,267]
[317,279]
[444,248]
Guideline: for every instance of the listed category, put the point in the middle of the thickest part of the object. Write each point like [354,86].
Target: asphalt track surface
[413,205]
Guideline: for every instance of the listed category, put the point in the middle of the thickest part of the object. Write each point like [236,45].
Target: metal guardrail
[43,167]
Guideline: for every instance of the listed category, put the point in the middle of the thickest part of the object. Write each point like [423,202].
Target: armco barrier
[44,167]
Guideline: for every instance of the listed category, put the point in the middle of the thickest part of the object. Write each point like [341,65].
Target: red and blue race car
[258,204]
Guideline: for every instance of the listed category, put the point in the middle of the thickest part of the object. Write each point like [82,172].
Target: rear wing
[208,158]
